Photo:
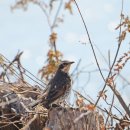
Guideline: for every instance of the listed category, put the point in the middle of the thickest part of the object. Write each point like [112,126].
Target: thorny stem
[114,59]
[119,45]
[123,104]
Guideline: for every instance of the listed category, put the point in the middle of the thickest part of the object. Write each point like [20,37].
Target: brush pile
[15,113]
[16,95]
[14,108]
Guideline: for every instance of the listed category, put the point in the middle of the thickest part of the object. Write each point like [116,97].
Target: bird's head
[65,66]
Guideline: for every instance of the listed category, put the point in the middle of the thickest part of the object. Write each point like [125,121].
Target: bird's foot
[55,105]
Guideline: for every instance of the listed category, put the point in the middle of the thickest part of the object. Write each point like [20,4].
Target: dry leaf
[103,94]
[90,107]
[80,102]
[68,6]
[53,38]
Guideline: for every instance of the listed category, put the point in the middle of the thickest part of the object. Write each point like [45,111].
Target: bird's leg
[63,103]
[54,105]
[66,104]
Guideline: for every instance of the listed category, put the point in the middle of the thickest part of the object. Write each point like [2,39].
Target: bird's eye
[61,66]
[64,64]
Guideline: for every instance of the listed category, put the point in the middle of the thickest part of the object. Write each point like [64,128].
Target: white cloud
[112,25]
[108,8]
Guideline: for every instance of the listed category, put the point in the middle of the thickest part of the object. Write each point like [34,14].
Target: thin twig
[12,63]
[89,40]
[110,110]
[53,25]
[77,66]
[56,16]
[45,12]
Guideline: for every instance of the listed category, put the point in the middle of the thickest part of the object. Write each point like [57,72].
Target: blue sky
[28,31]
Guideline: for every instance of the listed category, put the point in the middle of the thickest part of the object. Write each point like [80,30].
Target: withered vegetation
[17,96]
[17,93]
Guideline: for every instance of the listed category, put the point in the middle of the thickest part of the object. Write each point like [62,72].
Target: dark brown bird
[59,87]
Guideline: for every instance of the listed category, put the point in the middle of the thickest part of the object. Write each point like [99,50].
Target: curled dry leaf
[51,67]
[122,36]
[68,6]
[52,54]
[125,27]
[110,80]
[121,62]
[103,94]
[48,70]
[80,102]
[53,37]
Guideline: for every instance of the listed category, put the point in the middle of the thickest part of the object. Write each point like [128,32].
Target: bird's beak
[71,62]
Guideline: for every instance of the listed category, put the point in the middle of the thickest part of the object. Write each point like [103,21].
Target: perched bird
[59,87]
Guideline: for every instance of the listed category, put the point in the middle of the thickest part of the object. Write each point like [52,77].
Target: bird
[59,86]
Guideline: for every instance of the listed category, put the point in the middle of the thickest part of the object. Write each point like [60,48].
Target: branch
[89,40]
[113,61]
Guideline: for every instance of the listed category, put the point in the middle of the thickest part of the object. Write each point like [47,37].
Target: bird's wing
[57,90]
